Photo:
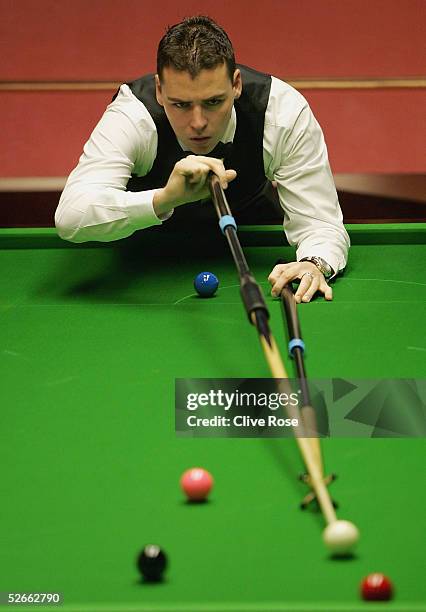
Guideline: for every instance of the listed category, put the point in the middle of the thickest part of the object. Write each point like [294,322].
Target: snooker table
[93,337]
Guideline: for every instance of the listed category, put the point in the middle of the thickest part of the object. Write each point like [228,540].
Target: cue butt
[308,450]
[317,481]
[308,413]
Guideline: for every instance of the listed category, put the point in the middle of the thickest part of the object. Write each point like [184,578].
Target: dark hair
[195,44]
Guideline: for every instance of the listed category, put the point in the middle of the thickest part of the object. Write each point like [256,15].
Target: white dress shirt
[96,206]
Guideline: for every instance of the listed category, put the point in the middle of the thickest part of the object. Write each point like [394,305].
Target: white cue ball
[340,537]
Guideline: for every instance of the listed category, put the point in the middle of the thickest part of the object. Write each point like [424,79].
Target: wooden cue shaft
[276,366]
[308,413]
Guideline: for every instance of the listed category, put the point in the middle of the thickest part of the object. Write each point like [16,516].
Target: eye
[181,104]
[214,102]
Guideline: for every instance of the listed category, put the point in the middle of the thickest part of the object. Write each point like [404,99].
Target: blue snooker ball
[206,284]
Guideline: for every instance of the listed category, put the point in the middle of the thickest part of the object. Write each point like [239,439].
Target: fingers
[230,175]
[326,290]
[196,173]
[199,166]
[188,181]
[309,285]
[311,281]
[280,276]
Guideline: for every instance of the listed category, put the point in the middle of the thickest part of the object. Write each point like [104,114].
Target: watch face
[322,265]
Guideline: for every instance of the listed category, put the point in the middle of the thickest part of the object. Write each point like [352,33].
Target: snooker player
[148,159]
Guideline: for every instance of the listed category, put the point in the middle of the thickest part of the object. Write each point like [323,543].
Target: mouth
[201,139]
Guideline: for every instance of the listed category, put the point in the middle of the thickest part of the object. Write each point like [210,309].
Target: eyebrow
[220,95]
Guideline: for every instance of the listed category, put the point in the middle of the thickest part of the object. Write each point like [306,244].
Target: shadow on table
[129,269]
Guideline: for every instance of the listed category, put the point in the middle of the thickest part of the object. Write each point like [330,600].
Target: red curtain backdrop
[379,130]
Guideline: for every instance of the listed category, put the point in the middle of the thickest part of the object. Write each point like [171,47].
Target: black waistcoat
[245,156]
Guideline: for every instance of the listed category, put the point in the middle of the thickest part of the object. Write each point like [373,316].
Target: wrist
[160,203]
[321,264]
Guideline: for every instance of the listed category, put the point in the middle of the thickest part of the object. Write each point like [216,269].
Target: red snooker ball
[376,587]
[196,483]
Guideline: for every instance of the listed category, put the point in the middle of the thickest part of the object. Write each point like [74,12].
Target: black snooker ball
[152,562]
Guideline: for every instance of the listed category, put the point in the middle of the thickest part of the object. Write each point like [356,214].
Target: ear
[158,93]
[237,84]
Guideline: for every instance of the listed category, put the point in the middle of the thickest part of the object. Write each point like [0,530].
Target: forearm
[313,220]
[95,204]
[103,214]
[328,241]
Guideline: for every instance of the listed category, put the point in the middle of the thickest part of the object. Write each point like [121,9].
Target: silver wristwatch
[322,265]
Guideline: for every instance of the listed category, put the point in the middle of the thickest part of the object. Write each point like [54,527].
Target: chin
[202,149]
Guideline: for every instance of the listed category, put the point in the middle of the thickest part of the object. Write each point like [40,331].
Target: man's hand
[188,182]
[311,280]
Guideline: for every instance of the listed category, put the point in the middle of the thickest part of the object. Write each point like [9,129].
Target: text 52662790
[22,599]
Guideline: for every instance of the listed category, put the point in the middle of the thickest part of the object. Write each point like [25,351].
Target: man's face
[198,109]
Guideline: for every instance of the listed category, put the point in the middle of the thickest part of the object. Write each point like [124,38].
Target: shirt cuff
[141,211]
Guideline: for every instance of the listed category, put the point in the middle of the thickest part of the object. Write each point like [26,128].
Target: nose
[198,120]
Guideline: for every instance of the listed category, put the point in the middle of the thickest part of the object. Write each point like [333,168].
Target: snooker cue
[258,315]
[296,347]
